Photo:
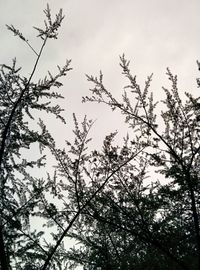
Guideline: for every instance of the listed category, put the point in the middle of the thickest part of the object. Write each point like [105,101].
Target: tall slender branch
[53,250]
[4,256]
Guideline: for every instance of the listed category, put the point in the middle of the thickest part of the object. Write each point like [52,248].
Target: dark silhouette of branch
[51,254]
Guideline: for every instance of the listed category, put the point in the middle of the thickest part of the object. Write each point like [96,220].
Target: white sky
[153,34]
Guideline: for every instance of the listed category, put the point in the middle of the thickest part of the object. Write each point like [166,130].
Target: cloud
[154,34]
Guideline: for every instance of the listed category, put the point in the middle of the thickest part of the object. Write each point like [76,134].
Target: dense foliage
[22,195]
[134,206]
[147,216]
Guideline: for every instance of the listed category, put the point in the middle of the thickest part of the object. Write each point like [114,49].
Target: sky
[153,34]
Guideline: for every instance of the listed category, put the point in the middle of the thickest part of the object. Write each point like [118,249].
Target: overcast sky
[153,34]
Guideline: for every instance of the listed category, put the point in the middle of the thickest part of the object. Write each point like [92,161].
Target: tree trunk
[194,215]
[3,256]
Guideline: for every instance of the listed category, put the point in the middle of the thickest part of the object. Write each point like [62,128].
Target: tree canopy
[128,206]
